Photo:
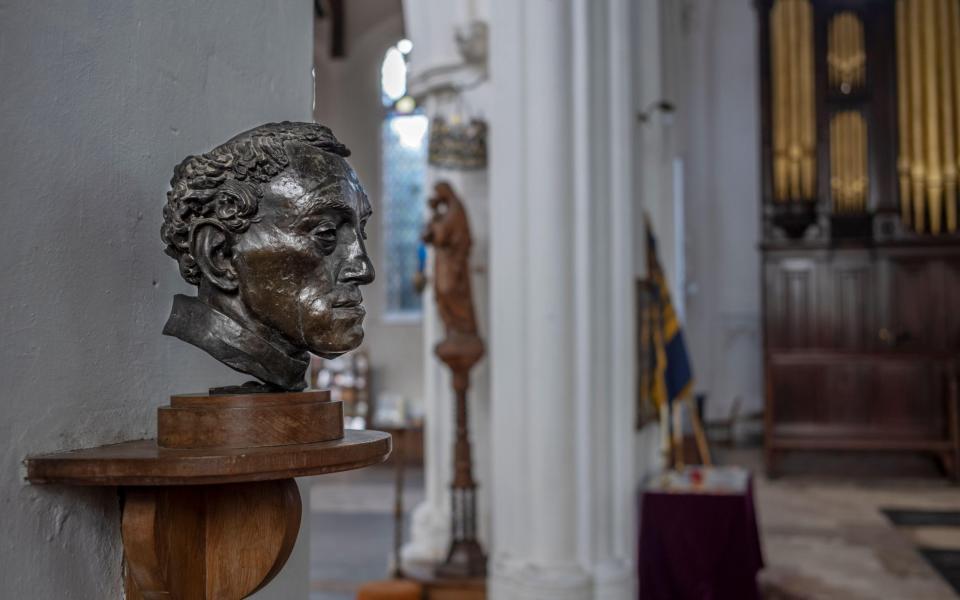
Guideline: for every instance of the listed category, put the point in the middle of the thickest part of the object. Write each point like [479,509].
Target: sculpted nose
[358,268]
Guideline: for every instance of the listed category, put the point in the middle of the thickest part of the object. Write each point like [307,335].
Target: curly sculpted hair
[224,186]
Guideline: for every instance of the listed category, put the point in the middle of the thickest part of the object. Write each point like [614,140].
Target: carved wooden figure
[449,232]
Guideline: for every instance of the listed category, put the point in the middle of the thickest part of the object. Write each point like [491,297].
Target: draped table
[698,537]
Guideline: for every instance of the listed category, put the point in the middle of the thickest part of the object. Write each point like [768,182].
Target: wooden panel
[915,318]
[792,303]
[797,392]
[854,395]
[909,397]
[951,303]
[850,300]
[847,392]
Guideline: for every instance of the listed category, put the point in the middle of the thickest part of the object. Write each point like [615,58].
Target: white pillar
[431,26]
[562,348]
[430,522]
[429,537]
[534,553]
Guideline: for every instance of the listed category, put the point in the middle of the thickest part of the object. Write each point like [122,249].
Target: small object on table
[696,477]
[699,536]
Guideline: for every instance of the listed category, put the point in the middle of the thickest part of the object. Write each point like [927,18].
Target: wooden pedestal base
[214,541]
[438,587]
[249,420]
[216,523]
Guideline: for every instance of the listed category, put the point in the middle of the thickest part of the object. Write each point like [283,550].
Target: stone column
[429,536]
[561,343]
[535,551]
[431,26]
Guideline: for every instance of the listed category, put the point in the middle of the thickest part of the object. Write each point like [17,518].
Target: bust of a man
[270,228]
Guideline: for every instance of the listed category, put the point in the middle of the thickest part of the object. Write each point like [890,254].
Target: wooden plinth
[443,588]
[249,420]
[210,523]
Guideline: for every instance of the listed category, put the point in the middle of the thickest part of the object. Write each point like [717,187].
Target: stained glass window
[404,166]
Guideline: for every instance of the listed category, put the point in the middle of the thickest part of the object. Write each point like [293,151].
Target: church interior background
[714,267]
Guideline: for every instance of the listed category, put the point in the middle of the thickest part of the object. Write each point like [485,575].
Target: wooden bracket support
[216,523]
[214,541]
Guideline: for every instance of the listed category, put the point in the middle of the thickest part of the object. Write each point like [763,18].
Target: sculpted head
[270,228]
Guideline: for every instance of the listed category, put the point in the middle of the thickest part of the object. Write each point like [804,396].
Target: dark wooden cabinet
[861,349]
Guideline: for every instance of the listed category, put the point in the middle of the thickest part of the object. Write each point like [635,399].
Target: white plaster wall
[719,138]
[348,101]
[100,99]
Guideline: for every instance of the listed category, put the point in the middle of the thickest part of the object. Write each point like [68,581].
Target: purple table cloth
[698,546]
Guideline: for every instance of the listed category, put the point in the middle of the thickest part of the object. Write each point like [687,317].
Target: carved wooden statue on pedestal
[449,232]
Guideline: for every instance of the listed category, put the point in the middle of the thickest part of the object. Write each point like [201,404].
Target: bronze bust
[270,228]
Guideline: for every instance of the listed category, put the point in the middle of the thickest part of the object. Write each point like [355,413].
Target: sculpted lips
[351,299]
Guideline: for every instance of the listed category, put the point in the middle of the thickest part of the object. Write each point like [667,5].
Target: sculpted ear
[210,246]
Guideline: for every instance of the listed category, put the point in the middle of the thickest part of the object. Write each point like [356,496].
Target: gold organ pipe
[846,57]
[833,43]
[856,156]
[843,154]
[856,172]
[863,178]
[947,85]
[843,157]
[835,164]
[831,46]
[845,162]
[928,113]
[903,110]
[794,122]
[833,161]
[954,52]
[808,136]
[918,167]
[934,173]
[780,134]
[849,181]
[838,161]
[850,148]
[794,110]
[862,49]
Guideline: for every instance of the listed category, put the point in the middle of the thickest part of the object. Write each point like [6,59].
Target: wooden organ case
[860,243]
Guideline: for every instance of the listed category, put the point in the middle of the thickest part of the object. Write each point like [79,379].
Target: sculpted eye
[326,235]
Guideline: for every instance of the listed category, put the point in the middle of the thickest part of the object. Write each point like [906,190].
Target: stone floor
[825,537]
[351,523]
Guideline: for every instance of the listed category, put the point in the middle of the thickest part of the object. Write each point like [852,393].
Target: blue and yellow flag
[668,374]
